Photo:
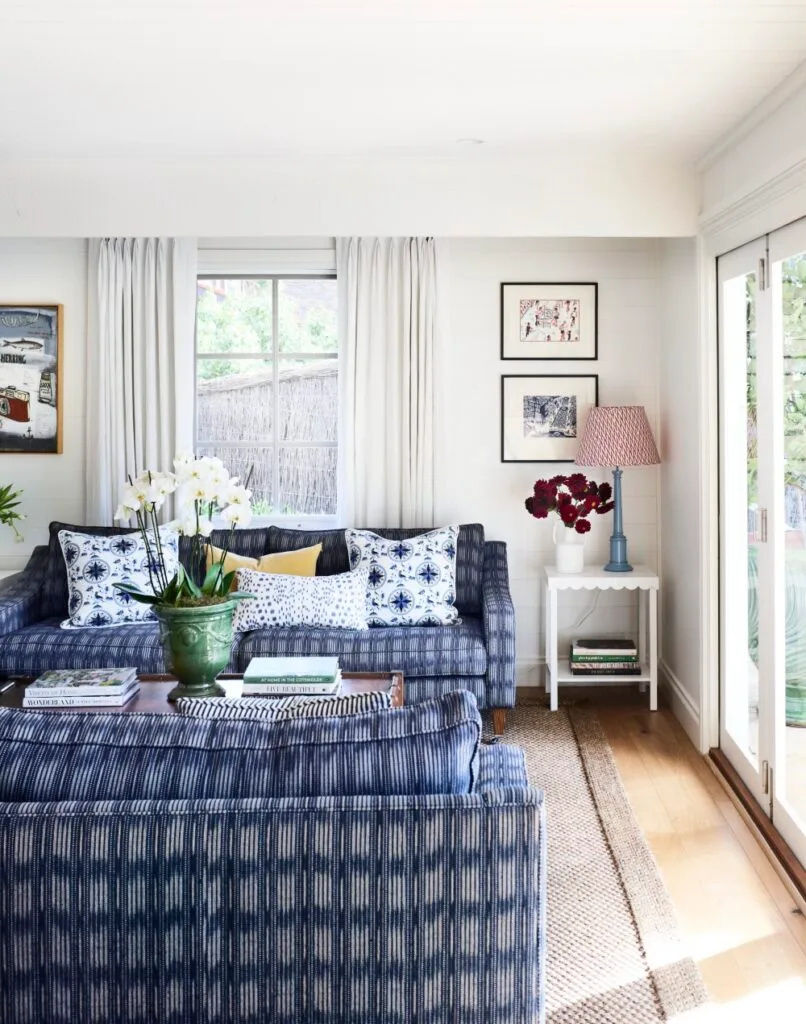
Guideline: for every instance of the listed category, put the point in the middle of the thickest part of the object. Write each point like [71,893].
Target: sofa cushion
[289,563]
[334,558]
[409,582]
[95,567]
[414,650]
[501,765]
[45,645]
[430,748]
[336,602]
[268,710]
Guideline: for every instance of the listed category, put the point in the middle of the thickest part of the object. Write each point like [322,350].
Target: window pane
[240,462]
[234,400]
[307,481]
[307,315]
[233,316]
[308,399]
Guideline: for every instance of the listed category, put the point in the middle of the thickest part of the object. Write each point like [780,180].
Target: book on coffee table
[284,676]
[82,682]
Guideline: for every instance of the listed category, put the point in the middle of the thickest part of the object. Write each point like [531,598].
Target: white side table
[558,669]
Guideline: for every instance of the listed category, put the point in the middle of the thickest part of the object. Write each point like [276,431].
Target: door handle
[763,531]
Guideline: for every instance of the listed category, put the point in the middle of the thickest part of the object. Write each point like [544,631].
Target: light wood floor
[738,921]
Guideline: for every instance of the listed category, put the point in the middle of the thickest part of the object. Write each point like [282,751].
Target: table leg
[653,650]
[643,638]
[546,636]
[553,696]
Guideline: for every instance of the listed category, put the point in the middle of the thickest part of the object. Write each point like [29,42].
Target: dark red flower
[608,506]
[558,480]
[582,526]
[568,514]
[577,484]
[605,491]
[564,499]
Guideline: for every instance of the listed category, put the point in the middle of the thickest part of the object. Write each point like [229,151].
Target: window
[267,387]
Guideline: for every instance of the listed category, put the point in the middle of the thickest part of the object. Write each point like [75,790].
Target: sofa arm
[498,615]
[21,594]
[370,909]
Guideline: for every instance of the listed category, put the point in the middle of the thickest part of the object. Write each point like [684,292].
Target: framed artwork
[31,378]
[543,418]
[549,321]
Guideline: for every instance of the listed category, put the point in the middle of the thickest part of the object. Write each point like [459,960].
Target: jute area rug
[614,955]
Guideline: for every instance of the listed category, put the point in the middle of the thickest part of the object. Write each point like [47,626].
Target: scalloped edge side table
[642,579]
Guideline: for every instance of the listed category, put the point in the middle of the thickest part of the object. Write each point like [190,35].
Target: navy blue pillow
[427,748]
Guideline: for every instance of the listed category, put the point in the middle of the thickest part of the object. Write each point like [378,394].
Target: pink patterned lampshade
[617,435]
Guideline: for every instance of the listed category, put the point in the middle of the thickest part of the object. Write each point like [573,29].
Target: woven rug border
[678,984]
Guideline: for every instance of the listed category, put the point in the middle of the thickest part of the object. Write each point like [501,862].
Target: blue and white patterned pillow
[280,710]
[95,564]
[410,582]
[338,602]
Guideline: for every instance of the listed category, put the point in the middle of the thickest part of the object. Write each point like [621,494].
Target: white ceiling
[244,78]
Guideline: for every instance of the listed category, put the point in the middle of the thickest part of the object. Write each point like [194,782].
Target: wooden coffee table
[154,691]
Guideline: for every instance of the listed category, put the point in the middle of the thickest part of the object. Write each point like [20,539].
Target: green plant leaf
[240,595]
[137,595]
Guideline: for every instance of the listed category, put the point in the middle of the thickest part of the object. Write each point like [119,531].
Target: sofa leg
[499,720]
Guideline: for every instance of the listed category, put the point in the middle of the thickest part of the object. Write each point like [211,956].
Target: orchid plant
[203,490]
[9,514]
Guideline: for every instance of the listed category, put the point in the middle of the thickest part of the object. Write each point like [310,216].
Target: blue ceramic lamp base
[618,542]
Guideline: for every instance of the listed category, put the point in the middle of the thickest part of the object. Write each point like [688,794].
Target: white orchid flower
[236,494]
[205,527]
[237,515]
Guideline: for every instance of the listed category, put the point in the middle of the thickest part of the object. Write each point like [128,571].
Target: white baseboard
[681,703]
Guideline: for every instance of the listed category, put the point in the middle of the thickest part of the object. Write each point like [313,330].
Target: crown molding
[771,102]
[736,211]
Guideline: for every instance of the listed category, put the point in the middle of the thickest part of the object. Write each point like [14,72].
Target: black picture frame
[551,350]
[566,447]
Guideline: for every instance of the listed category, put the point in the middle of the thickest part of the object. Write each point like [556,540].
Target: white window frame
[311,522]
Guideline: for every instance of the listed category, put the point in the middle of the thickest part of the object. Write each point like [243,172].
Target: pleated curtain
[140,359]
[387,340]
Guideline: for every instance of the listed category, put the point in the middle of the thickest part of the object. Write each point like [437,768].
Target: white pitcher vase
[569,549]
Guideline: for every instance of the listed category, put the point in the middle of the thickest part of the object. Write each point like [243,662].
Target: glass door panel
[787,697]
[743,567]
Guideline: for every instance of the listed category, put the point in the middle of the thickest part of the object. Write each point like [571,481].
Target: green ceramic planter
[197,644]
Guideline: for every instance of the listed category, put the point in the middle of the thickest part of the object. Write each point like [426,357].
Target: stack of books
[604,656]
[282,677]
[90,687]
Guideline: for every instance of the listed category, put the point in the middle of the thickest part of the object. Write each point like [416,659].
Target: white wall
[680,445]
[472,483]
[576,191]
[49,271]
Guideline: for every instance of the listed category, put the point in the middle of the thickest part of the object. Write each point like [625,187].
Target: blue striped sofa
[477,655]
[384,909]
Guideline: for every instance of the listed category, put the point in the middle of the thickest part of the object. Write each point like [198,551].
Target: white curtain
[140,356]
[387,341]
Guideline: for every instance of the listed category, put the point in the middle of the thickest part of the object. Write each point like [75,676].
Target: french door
[762,399]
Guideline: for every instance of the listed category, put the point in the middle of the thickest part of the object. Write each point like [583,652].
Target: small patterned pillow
[95,564]
[285,707]
[410,582]
[338,602]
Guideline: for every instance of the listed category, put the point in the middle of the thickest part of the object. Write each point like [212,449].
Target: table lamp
[617,435]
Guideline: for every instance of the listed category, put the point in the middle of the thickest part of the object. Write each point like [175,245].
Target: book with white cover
[292,670]
[109,700]
[82,682]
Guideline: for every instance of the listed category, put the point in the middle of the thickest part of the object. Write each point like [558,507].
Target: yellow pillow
[301,562]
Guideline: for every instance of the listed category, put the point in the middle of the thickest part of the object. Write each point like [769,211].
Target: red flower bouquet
[573,498]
